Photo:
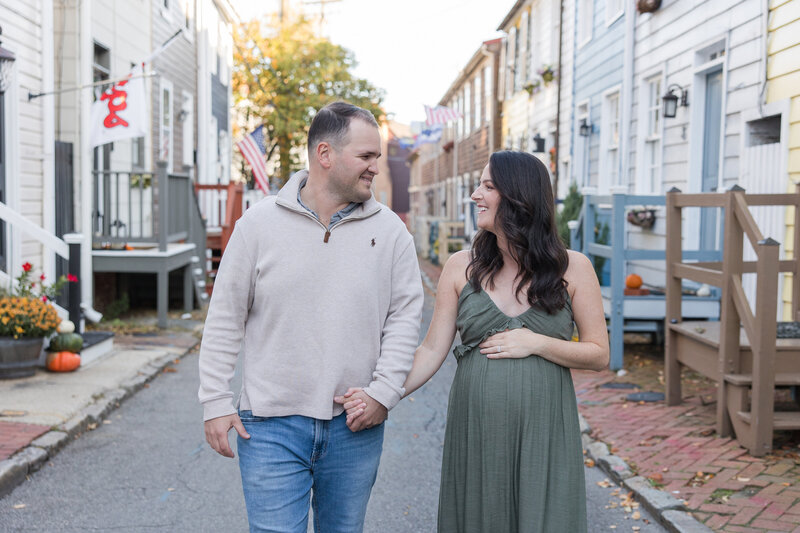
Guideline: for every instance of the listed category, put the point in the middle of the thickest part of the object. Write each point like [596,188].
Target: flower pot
[19,357]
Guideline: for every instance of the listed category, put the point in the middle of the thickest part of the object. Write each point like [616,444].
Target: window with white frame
[540,37]
[610,174]
[585,21]
[529,60]
[518,64]
[614,10]
[510,66]
[651,163]
[467,110]
[165,124]
[522,50]
[487,89]
[478,92]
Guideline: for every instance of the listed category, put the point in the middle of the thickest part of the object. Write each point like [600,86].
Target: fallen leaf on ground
[589,462]
[91,426]
[605,483]
[20,506]
[637,515]
[170,369]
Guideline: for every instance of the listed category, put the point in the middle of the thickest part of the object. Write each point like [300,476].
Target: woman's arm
[430,355]
[590,353]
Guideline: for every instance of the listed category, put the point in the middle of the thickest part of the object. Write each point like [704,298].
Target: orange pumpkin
[63,361]
[633,281]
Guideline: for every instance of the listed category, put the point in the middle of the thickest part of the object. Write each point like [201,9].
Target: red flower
[41,277]
[71,278]
[44,298]
[27,267]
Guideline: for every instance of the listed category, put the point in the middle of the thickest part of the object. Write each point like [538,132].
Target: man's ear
[323,152]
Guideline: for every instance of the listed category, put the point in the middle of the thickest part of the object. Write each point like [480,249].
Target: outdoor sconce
[182,115]
[6,61]
[538,143]
[671,100]
[585,128]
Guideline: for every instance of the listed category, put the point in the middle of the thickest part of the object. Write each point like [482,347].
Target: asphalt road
[148,468]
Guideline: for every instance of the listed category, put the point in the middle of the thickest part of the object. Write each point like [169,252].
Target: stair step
[198,271]
[782,420]
[201,283]
[781,380]
[195,259]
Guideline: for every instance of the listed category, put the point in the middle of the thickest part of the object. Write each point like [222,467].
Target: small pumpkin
[633,281]
[66,342]
[66,326]
[63,361]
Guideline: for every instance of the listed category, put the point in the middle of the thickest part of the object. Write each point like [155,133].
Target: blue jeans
[286,457]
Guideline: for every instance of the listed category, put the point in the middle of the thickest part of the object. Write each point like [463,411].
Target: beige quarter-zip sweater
[312,310]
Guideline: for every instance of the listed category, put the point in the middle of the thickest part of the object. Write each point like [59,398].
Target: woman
[512,453]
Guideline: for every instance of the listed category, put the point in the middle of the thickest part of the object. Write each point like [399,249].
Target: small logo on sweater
[372,243]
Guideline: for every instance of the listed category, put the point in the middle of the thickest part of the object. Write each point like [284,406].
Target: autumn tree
[285,72]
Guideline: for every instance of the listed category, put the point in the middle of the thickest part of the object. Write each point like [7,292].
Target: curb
[669,511]
[19,466]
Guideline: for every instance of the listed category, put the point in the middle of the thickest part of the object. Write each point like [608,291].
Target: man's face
[355,164]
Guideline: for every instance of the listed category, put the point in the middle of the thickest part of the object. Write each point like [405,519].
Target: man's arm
[222,338]
[399,337]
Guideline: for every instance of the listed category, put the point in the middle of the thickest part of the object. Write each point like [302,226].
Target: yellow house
[783,86]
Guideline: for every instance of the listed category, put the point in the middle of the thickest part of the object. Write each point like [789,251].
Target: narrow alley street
[148,468]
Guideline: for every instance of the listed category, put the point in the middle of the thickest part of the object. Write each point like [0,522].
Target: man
[320,289]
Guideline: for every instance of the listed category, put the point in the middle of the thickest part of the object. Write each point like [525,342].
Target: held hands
[362,410]
[217,433]
[510,344]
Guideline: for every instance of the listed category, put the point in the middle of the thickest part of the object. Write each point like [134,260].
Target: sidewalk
[671,458]
[42,413]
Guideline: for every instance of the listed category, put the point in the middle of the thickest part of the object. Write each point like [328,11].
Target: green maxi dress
[513,460]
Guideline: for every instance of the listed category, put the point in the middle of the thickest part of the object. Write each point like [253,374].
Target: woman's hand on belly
[510,344]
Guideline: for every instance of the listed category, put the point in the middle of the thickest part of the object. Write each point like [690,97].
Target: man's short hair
[332,124]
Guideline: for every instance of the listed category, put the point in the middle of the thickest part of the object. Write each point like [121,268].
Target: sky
[412,49]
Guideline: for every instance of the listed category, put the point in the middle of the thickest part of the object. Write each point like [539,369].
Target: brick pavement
[16,435]
[677,449]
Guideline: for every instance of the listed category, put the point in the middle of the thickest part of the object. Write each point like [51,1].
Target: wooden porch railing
[745,373]
[228,209]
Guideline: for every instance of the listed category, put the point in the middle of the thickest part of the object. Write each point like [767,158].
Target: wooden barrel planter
[19,357]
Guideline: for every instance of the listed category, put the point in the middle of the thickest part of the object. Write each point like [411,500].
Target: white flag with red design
[121,111]
[440,115]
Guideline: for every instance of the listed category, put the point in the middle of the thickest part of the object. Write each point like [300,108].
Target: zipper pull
[327,236]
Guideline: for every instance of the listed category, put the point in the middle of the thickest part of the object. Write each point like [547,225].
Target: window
[614,10]
[487,88]
[478,94]
[651,163]
[610,174]
[467,110]
[188,16]
[137,153]
[522,50]
[539,38]
[510,73]
[517,65]
[529,66]
[165,124]
[585,21]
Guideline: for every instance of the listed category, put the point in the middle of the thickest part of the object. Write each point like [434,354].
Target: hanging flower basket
[533,87]
[547,73]
[644,218]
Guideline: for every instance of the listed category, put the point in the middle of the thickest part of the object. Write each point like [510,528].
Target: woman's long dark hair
[526,217]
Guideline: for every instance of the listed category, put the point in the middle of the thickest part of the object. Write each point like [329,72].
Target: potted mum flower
[26,319]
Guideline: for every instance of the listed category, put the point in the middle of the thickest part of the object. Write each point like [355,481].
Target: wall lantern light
[6,61]
[538,143]
[585,128]
[671,100]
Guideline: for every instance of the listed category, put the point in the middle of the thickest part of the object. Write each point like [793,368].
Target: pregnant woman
[512,452]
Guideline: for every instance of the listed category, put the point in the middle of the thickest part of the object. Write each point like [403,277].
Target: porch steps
[781,420]
[199,281]
[786,379]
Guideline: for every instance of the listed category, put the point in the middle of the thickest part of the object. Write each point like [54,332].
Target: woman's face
[487,200]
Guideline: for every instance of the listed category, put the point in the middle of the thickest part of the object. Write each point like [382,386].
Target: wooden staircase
[230,207]
[741,352]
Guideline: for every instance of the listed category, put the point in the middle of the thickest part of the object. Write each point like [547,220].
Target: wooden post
[618,266]
[762,396]
[162,206]
[74,240]
[796,256]
[673,255]
[729,322]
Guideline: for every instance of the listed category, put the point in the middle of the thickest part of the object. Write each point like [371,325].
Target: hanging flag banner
[440,115]
[430,135]
[121,111]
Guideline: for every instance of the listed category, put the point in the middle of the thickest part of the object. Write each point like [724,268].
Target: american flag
[440,115]
[253,149]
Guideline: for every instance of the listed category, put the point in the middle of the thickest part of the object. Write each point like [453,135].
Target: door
[712,125]
[64,208]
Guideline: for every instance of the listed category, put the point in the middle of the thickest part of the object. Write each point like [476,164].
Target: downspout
[48,132]
[556,155]
[626,101]
[86,53]
[762,96]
